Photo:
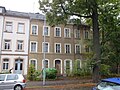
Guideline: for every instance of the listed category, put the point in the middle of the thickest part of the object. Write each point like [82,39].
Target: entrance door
[18,66]
[58,67]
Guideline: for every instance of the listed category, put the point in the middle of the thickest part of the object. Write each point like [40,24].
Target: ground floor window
[5,64]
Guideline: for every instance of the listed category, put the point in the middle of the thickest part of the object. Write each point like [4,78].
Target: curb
[63,86]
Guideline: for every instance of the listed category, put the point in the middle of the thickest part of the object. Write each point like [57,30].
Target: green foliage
[51,73]
[85,70]
[104,70]
[33,74]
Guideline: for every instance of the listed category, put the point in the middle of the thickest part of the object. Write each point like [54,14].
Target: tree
[60,11]
[110,28]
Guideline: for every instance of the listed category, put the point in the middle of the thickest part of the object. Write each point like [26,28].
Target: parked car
[12,81]
[108,84]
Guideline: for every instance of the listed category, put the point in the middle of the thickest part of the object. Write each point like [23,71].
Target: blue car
[108,84]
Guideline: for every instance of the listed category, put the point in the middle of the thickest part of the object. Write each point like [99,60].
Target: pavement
[60,83]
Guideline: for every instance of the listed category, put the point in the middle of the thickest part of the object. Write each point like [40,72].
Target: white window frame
[6,63]
[48,31]
[34,32]
[76,48]
[21,27]
[80,62]
[55,34]
[44,47]
[56,48]
[68,34]
[43,63]
[20,45]
[77,33]
[35,63]
[86,34]
[66,48]
[8,44]
[65,65]
[31,46]
[9,26]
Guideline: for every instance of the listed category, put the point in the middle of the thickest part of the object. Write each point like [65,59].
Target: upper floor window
[45,47]
[5,65]
[20,45]
[7,44]
[57,48]
[86,34]
[57,32]
[33,46]
[46,31]
[67,33]
[21,27]
[34,30]
[77,33]
[9,26]
[77,48]
[67,48]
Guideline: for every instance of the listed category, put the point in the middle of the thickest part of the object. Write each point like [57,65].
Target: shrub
[33,74]
[51,73]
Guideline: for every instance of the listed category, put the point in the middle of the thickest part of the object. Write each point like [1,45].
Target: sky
[21,5]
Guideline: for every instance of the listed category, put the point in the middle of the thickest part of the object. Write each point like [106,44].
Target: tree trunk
[96,46]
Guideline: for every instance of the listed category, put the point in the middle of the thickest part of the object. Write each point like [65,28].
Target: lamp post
[45,7]
[44,63]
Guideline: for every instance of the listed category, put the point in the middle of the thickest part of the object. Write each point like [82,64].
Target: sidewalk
[61,83]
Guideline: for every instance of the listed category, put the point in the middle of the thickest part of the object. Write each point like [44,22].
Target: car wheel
[18,87]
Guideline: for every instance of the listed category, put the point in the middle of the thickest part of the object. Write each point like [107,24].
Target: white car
[12,82]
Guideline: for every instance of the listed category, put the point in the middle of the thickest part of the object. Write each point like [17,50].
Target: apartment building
[62,44]
[25,40]
[14,31]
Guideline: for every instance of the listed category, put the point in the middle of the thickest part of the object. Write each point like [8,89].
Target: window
[45,62]
[67,48]
[2,77]
[57,48]
[86,34]
[45,47]
[12,77]
[78,64]
[67,66]
[46,31]
[21,27]
[5,64]
[8,26]
[57,32]
[87,49]
[20,45]
[33,46]
[34,30]
[77,48]
[67,32]
[7,44]
[77,33]
[34,63]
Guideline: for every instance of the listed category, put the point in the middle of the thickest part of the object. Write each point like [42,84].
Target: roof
[114,80]
[36,16]
[25,15]
[16,14]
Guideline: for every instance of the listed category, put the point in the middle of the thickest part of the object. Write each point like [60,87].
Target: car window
[2,77]
[12,77]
